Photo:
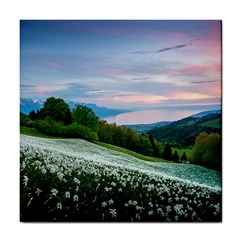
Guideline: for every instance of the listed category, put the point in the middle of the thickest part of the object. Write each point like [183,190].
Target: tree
[32,115]
[56,109]
[86,117]
[207,150]
[175,156]
[154,147]
[184,157]
[167,153]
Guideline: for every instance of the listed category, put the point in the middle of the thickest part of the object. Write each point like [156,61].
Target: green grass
[134,154]
[180,152]
[213,123]
[34,132]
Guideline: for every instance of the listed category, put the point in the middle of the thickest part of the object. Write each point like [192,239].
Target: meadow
[72,180]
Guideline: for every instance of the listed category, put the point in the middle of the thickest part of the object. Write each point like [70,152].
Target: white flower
[38,191]
[67,194]
[134,202]
[113,213]
[76,181]
[110,202]
[168,209]
[137,216]
[59,205]
[54,192]
[43,170]
[120,190]
[113,184]
[104,204]
[75,198]
[150,212]
[25,180]
[160,211]
[150,204]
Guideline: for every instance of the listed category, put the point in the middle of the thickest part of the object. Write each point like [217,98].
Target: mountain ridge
[27,105]
[144,128]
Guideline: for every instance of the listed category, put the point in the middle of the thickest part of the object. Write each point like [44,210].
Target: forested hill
[182,133]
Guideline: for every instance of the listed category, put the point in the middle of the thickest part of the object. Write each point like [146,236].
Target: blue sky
[123,64]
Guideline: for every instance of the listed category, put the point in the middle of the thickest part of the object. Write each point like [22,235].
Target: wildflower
[120,190]
[113,213]
[138,208]
[110,202]
[113,184]
[150,213]
[25,180]
[104,204]
[54,192]
[59,205]
[43,170]
[150,204]
[67,194]
[137,216]
[75,198]
[160,211]
[168,209]
[76,181]
[38,191]
[178,207]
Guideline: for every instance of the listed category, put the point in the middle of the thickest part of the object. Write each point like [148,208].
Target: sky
[136,65]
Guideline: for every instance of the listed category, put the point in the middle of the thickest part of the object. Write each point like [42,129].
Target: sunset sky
[123,64]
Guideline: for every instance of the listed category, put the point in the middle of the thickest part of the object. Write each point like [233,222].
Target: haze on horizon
[135,65]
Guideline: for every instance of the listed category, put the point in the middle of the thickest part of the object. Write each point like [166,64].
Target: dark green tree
[86,117]
[167,153]
[32,115]
[175,156]
[154,147]
[56,109]
[184,157]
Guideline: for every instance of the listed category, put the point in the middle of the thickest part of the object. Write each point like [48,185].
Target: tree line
[57,119]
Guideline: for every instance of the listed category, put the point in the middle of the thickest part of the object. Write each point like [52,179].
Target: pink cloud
[52,64]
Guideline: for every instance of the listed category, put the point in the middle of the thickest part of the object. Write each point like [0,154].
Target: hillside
[74,180]
[183,132]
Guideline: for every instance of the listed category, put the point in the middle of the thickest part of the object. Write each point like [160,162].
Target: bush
[74,130]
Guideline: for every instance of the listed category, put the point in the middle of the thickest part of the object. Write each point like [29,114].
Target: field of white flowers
[74,180]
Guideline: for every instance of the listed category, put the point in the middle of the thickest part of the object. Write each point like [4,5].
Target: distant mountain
[144,128]
[183,132]
[27,105]
[204,113]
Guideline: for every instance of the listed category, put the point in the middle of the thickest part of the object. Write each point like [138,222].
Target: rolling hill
[182,133]
[75,180]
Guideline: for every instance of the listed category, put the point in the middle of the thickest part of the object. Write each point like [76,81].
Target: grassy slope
[33,132]
[213,123]
[180,152]
[134,154]
[36,133]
